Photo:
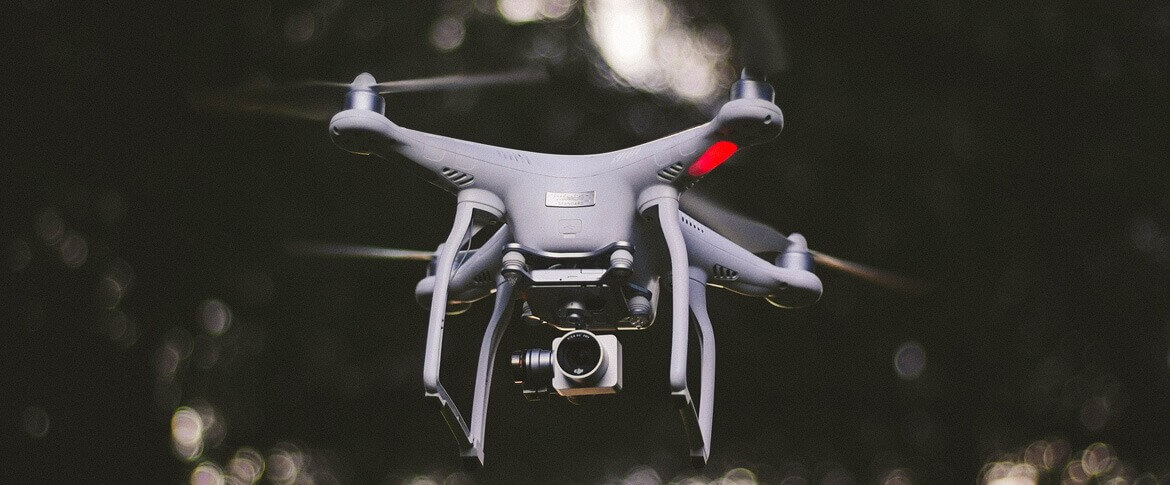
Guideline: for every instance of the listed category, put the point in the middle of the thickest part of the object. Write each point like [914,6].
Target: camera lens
[579,354]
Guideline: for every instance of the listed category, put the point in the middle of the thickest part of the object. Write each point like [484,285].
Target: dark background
[1016,155]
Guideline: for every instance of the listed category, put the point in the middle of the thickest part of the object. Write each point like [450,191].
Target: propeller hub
[748,86]
[796,256]
[362,96]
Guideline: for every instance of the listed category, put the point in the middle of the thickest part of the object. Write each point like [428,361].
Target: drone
[588,245]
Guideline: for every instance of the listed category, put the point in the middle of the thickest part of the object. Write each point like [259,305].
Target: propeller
[762,49]
[320,100]
[873,275]
[759,238]
[332,250]
[752,235]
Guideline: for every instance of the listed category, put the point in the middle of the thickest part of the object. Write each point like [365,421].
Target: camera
[580,363]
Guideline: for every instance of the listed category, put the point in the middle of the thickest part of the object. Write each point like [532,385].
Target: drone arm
[683,158]
[450,163]
[735,268]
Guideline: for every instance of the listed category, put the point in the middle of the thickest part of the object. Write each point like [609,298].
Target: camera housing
[585,364]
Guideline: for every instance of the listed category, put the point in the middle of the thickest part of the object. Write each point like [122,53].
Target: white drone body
[581,242]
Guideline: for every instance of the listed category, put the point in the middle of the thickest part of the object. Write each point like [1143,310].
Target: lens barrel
[581,357]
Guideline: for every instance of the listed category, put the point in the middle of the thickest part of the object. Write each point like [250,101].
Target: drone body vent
[670,173]
[691,223]
[723,273]
[460,179]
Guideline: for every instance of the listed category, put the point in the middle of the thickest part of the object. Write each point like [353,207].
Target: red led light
[714,156]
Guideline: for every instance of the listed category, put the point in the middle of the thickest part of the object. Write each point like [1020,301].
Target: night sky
[1013,155]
